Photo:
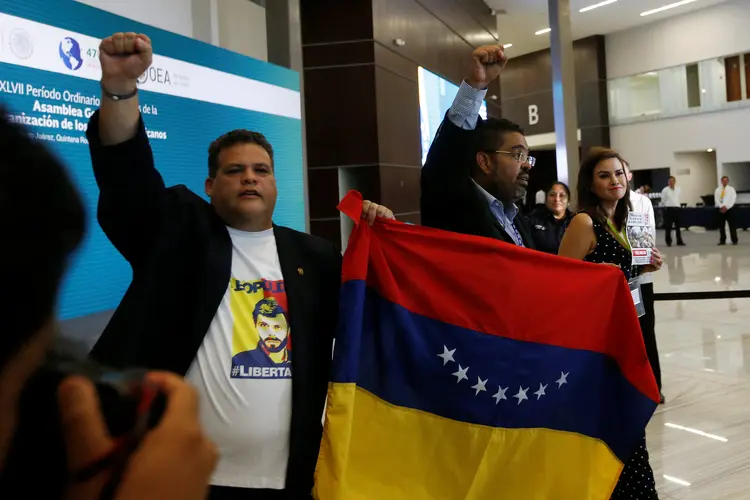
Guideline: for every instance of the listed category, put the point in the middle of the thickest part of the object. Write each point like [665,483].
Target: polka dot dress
[637,479]
[609,250]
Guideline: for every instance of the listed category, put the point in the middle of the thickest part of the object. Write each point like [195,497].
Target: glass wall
[710,85]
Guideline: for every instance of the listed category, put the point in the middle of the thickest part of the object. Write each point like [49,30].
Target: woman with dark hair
[597,234]
[549,222]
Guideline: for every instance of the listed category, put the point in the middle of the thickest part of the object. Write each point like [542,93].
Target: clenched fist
[485,66]
[124,57]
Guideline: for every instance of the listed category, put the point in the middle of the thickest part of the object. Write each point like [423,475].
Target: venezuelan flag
[466,368]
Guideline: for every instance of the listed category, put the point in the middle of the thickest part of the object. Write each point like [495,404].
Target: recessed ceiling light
[596,5]
[507,45]
[709,150]
[667,7]
[545,30]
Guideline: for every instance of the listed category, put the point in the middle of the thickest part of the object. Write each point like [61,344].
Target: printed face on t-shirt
[262,332]
[272,331]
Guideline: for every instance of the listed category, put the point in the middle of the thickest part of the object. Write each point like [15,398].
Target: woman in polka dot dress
[597,234]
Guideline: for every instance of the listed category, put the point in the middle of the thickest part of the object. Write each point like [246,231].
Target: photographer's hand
[174,460]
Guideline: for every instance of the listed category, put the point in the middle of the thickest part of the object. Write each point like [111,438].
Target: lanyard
[619,236]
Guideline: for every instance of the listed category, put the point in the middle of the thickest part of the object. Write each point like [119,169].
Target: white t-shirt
[245,385]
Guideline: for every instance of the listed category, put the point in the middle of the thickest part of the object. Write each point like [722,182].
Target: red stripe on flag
[500,289]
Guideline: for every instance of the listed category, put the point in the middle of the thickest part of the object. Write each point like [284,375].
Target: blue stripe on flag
[412,361]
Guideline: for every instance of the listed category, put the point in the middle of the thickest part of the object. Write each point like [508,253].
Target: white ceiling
[522,18]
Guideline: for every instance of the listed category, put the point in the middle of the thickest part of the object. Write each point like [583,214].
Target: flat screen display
[436,95]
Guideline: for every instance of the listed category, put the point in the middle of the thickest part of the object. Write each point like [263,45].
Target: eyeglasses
[519,157]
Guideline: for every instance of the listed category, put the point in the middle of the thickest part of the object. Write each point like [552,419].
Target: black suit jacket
[181,255]
[449,198]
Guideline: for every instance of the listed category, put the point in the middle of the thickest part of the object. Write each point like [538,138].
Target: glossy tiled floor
[702,266]
[700,440]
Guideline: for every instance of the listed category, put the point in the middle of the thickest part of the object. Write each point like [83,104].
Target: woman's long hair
[588,201]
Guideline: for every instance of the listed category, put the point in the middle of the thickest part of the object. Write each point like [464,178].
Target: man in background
[540,199]
[476,169]
[726,197]
[642,204]
[45,225]
[670,198]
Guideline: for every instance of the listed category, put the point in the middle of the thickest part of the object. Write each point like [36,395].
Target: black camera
[36,465]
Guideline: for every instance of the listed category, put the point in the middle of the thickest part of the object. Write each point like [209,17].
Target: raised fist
[124,57]
[485,66]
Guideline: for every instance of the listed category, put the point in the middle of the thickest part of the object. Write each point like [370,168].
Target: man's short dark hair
[725,177]
[232,138]
[43,222]
[672,177]
[268,307]
[490,134]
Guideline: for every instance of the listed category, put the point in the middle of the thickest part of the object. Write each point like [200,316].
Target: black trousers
[672,218]
[724,219]
[648,328]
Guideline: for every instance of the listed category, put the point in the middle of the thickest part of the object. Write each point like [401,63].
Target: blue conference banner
[194,92]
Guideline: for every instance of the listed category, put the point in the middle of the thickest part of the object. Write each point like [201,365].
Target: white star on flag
[447,355]
[479,386]
[562,380]
[521,394]
[461,374]
[500,394]
[540,392]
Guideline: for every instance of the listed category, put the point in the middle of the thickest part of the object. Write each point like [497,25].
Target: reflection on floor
[702,266]
[699,440]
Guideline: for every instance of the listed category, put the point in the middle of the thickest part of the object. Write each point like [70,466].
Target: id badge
[635,292]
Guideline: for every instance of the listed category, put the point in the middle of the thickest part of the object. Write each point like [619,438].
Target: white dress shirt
[670,197]
[728,199]
[540,197]
[643,205]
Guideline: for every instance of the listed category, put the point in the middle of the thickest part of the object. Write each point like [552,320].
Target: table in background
[707,217]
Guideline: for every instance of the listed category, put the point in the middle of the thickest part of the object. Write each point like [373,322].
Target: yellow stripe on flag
[377,451]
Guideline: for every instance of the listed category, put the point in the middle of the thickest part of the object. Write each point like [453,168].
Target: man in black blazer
[476,168]
[211,281]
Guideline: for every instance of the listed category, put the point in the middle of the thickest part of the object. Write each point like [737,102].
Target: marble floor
[699,440]
[702,266]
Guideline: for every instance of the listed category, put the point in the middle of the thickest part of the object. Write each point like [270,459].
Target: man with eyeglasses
[475,168]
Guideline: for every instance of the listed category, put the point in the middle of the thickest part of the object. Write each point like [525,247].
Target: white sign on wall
[533,114]
[39,46]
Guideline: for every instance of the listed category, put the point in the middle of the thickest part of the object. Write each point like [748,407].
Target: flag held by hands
[467,368]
